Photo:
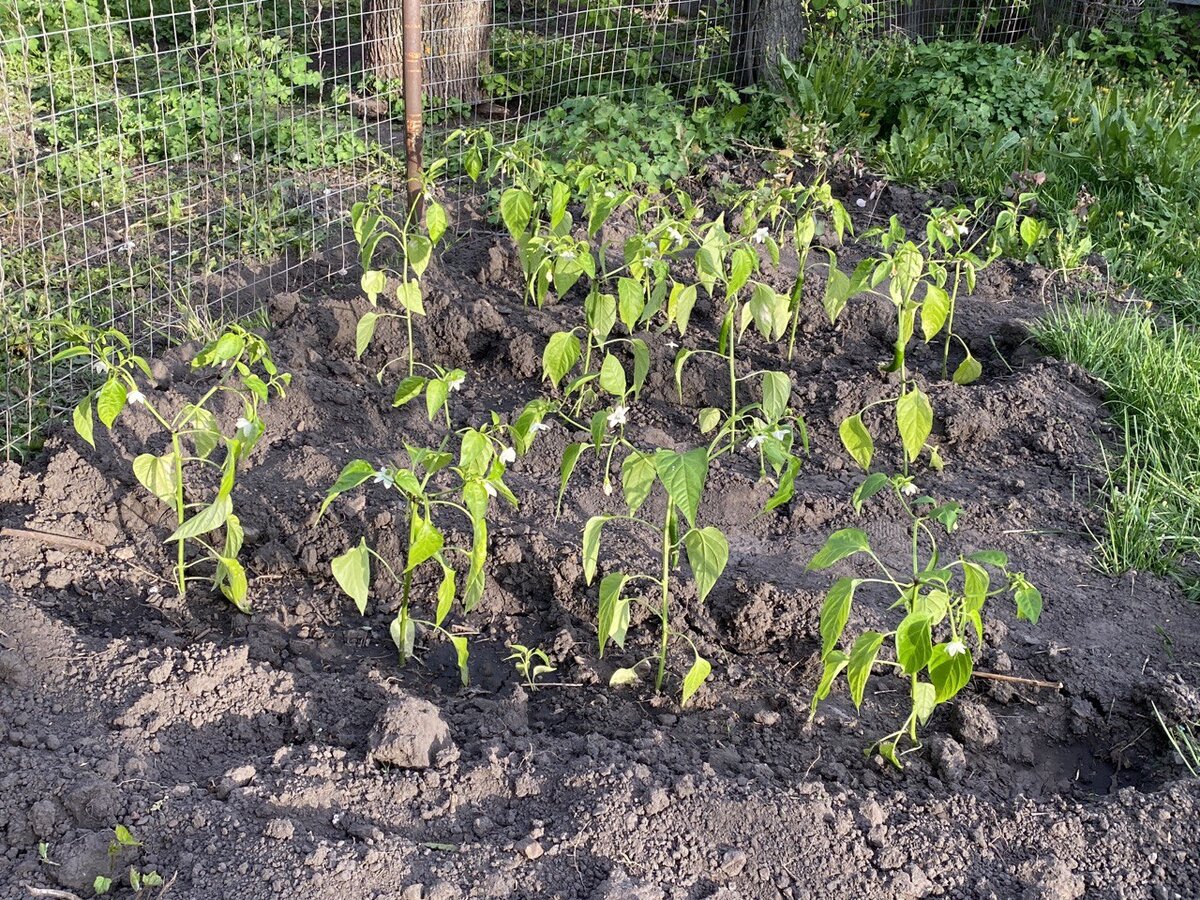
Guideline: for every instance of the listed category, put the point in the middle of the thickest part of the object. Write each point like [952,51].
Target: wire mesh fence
[164,165]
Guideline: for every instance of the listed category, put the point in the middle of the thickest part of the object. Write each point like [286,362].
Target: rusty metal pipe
[413,119]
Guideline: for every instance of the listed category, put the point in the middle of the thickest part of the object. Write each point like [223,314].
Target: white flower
[508,455]
[610,193]
[539,426]
[549,277]
[909,489]
[237,157]
[128,246]
[456,382]
[618,416]
[780,434]
[860,203]
[136,397]
[384,477]
[491,491]
[954,648]
[963,229]
[755,441]
[245,428]
[760,236]
[674,235]
[100,367]
[567,254]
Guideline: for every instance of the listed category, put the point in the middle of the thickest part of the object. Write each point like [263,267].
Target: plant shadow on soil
[237,748]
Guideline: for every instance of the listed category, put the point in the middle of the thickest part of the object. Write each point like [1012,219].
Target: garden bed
[246,753]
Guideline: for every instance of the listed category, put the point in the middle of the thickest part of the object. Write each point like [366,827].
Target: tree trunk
[762,30]
[454,34]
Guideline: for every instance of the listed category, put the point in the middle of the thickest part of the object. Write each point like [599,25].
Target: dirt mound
[258,756]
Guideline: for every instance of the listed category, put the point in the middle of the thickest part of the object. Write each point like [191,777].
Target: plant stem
[950,320]
[181,513]
[665,582]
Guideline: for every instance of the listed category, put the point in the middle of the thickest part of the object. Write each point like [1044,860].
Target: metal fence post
[413,122]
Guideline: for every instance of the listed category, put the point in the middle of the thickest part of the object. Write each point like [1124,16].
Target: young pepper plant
[917,276]
[242,361]
[416,243]
[940,605]
[472,483]
[683,477]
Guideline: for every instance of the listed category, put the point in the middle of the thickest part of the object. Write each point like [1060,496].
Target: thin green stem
[665,581]
[181,512]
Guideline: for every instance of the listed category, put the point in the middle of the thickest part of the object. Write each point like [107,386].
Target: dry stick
[50,893]
[1012,679]
[49,537]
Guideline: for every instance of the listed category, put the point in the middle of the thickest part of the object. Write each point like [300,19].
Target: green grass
[1152,372]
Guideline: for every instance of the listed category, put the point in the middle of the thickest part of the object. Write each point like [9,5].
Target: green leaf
[560,356]
[410,297]
[787,485]
[462,651]
[631,300]
[364,332]
[695,677]
[914,419]
[208,519]
[436,221]
[685,302]
[409,389]
[914,643]
[445,594]
[591,545]
[82,420]
[857,440]
[924,700]
[838,546]
[206,435]
[352,571]
[570,458]
[637,479]
[975,582]
[997,558]
[231,578]
[125,837]
[420,252]
[933,604]
[516,209]
[834,663]
[623,676]
[710,418]
[777,391]
[612,376]
[437,392]
[968,370]
[835,612]
[352,475]
[476,577]
[373,282]
[641,364]
[1029,603]
[707,553]
[110,401]
[862,658]
[424,541]
[475,453]
[837,293]
[741,267]
[613,618]
[157,475]
[934,311]
[949,674]
[683,475]
[871,486]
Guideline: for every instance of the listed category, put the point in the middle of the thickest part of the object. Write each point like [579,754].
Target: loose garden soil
[286,754]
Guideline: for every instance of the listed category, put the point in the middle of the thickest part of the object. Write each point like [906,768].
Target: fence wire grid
[165,165]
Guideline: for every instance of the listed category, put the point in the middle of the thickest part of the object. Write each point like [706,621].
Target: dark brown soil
[246,753]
